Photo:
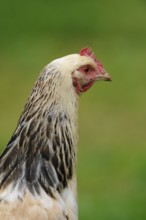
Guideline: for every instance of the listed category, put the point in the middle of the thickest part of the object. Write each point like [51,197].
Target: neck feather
[42,150]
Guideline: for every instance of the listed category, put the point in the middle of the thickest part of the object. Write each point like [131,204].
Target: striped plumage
[38,165]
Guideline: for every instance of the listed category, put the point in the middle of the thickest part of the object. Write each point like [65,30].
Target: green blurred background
[112,122]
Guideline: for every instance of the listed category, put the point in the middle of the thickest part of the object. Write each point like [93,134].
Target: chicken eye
[87,69]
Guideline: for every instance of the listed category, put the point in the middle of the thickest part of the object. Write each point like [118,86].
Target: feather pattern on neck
[41,155]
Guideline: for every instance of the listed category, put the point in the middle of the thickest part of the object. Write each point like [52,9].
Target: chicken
[38,165]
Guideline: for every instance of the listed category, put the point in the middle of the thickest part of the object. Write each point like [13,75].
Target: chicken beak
[107,77]
[103,76]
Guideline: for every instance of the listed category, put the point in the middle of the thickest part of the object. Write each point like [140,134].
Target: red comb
[87,51]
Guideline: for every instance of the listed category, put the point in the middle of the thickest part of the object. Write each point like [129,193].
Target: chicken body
[38,166]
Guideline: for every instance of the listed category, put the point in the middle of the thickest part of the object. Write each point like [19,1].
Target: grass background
[112,122]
